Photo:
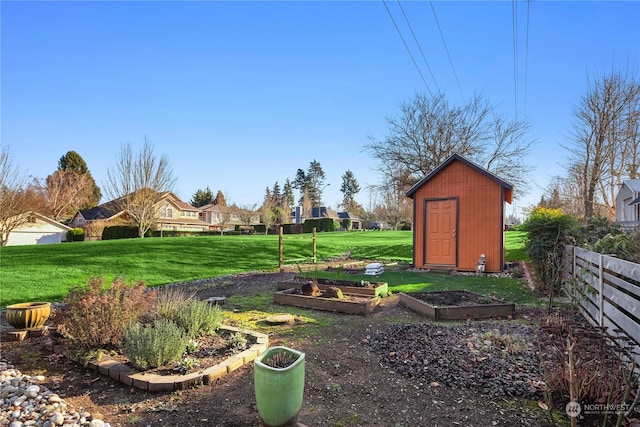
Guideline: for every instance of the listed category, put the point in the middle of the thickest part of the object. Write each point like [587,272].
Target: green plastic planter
[279,391]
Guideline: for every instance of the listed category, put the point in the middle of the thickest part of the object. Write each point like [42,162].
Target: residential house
[628,203]
[224,218]
[108,212]
[324,212]
[356,223]
[174,215]
[38,230]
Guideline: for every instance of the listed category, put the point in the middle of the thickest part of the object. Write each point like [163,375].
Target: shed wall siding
[480,215]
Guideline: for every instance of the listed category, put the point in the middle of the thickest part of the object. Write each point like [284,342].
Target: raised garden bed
[347,286]
[121,371]
[350,304]
[456,305]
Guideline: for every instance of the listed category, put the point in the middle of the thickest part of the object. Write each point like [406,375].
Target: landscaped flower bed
[168,378]
[153,340]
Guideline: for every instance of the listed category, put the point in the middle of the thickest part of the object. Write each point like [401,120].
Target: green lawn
[45,272]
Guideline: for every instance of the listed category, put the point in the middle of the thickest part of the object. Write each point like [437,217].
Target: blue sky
[240,95]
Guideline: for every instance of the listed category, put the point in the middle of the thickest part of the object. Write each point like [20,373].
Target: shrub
[199,318]
[606,237]
[155,345]
[548,231]
[239,341]
[122,232]
[75,235]
[96,315]
[170,299]
[595,229]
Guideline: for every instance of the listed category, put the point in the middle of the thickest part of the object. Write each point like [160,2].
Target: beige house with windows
[224,218]
[174,215]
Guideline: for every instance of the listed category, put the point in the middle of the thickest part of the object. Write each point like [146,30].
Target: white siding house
[628,202]
[38,230]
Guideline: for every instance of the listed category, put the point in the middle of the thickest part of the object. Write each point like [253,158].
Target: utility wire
[418,44]
[407,47]
[526,57]
[445,47]
[514,19]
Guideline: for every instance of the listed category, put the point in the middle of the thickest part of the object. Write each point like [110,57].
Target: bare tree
[224,218]
[246,213]
[268,213]
[67,191]
[393,207]
[138,182]
[429,130]
[18,196]
[605,143]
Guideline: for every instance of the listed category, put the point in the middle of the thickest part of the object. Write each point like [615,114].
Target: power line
[418,44]
[526,57]
[445,47]
[406,47]
[514,18]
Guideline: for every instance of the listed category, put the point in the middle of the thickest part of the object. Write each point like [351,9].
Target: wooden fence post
[280,233]
[314,245]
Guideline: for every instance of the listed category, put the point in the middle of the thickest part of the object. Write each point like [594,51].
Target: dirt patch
[453,298]
[352,377]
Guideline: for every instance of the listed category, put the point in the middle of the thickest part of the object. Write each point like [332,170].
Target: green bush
[199,318]
[96,315]
[154,345]
[292,228]
[75,235]
[320,224]
[119,232]
[596,228]
[549,230]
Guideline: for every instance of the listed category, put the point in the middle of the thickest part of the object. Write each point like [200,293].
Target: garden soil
[349,380]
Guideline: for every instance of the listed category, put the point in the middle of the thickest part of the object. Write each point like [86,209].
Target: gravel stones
[23,403]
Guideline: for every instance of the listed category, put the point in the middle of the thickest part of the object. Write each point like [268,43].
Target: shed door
[440,232]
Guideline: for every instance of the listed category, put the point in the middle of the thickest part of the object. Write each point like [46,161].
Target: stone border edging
[152,382]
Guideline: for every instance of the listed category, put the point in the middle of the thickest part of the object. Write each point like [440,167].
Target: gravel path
[27,403]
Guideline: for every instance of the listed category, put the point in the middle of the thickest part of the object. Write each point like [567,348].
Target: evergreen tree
[349,189]
[301,183]
[277,197]
[315,176]
[72,161]
[202,198]
[288,193]
[220,200]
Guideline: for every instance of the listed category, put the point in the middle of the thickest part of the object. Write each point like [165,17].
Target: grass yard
[46,272]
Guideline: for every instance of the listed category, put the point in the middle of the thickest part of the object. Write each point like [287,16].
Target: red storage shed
[459,216]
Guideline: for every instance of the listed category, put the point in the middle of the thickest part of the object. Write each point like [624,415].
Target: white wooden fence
[607,291]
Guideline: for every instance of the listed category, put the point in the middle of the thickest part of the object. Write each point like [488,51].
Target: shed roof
[458,157]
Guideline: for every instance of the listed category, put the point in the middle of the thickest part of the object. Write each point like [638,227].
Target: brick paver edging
[152,382]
